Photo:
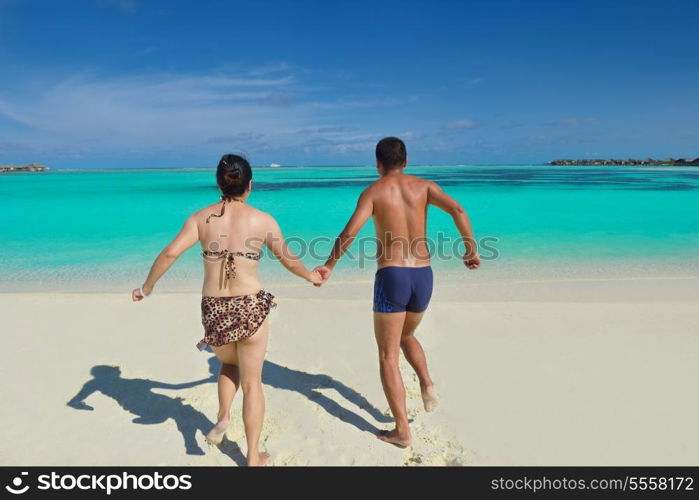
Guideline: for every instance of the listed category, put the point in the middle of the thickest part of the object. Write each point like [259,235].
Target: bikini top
[228,256]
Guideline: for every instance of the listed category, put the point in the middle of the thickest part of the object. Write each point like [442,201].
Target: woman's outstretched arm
[78,401]
[187,237]
[276,243]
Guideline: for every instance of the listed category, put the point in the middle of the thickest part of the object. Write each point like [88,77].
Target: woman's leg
[251,356]
[228,383]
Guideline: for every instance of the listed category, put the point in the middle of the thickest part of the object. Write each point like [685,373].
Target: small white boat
[274,165]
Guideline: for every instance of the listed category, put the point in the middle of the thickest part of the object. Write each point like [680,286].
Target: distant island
[29,167]
[630,161]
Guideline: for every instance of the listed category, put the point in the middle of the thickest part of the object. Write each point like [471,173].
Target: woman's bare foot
[215,435]
[260,461]
[429,398]
[392,437]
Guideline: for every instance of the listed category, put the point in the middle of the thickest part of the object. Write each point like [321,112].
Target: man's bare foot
[260,461]
[215,435]
[429,398]
[392,437]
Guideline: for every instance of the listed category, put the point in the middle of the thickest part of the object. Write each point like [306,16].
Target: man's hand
[472,261]
[315,278]
[324,272]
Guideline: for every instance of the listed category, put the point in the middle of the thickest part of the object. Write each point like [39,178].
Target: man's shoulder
[371,189]
[412,182]
[421,182]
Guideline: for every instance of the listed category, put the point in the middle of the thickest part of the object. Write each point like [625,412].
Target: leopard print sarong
[227,319]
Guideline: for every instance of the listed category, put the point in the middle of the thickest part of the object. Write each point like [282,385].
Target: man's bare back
[399,204]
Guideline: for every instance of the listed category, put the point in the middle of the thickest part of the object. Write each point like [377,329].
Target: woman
[234,305]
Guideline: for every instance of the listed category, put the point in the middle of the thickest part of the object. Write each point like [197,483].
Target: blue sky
[136,83]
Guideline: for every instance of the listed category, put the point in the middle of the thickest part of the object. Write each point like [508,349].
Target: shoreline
[186,279]
[651,290]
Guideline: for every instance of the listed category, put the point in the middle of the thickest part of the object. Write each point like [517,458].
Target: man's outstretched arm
[442,200]
[365,207]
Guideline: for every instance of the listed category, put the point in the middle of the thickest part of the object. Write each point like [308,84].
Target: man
[403,283]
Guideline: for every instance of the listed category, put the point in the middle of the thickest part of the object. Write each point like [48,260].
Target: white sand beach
[557,372]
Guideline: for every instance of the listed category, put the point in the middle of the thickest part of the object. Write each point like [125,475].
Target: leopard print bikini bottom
[227,319]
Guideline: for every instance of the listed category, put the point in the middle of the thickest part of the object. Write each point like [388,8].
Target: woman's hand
[185,239]
[136,294]
[324,272]
[315,277]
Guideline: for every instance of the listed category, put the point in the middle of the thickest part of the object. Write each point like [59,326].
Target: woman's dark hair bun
[233,175]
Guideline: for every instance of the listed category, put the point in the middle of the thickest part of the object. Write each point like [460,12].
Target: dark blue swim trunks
[398,289]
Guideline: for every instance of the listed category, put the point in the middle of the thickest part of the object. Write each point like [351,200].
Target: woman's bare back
[240,232]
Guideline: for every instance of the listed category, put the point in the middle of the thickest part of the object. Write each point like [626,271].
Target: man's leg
[416,357]
[388,328]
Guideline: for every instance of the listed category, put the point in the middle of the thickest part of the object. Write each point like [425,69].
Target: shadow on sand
[309,385]
[137,397]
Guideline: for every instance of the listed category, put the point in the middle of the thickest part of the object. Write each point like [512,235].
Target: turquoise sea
[101,229]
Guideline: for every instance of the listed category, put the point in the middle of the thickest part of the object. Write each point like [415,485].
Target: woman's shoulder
[259,215]
[251,212]
[205,211]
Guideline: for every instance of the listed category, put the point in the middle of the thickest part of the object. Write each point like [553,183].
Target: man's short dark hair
[391,153]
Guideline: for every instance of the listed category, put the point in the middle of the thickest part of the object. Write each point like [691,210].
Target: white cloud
[461,124]
[182,114]
[572,122]
[152,110]
[271,68]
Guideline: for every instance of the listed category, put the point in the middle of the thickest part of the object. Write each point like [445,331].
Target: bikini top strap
[250,255]
[225,251]
[228,262]
[223,210]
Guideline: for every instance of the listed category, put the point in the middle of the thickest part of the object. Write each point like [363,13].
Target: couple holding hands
[235,307]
